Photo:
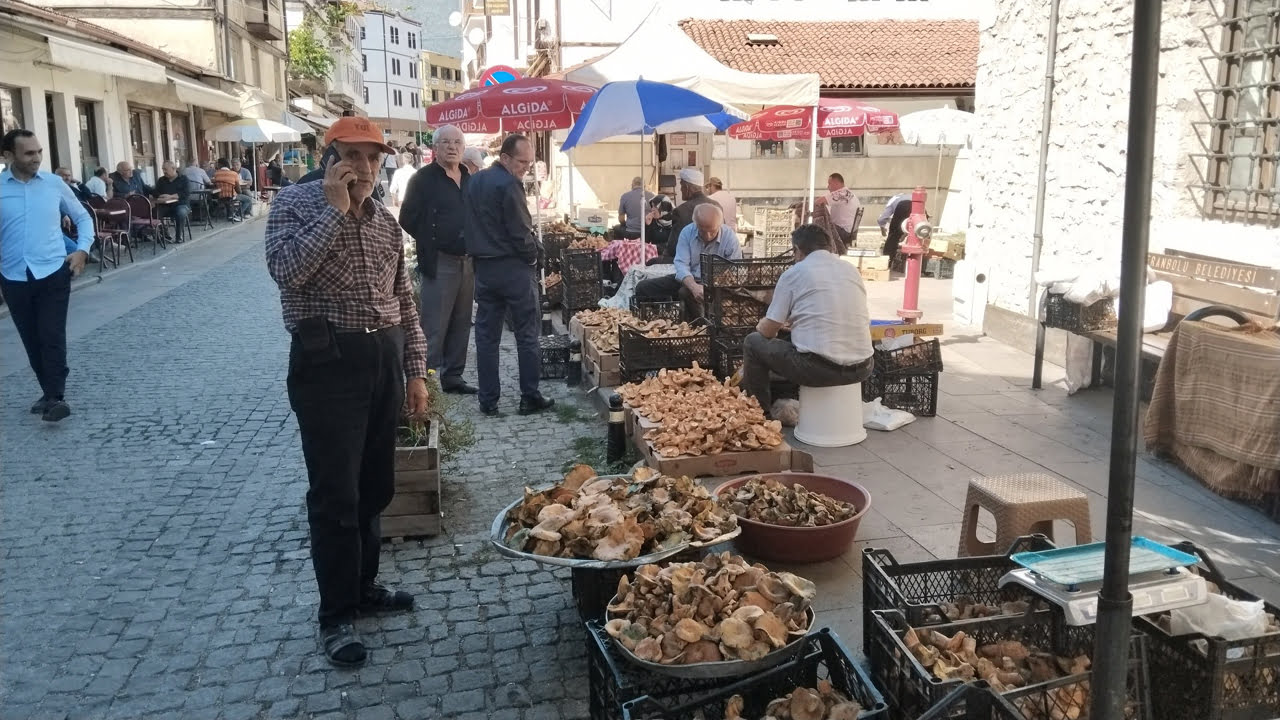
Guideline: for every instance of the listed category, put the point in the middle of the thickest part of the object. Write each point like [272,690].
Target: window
[366,94]
[413,40]
[395,66]
[398,98]
[11,108]
[435,71]
[395,35]
[767,149]
[848,147]
[1244,161]
[362,32]
[800,149]
[364,62]
[413,70]
[255,68]
[413,99]
[435,96]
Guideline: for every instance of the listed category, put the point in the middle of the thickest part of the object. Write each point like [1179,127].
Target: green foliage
[336,14]
[309,56]
[456,434]
[424,138]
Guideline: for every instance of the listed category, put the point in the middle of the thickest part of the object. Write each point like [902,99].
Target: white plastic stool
[831,416]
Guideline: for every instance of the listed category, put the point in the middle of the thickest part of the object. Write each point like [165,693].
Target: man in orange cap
[338,258]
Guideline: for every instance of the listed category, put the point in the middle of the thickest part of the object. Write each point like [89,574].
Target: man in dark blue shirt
[125,181]
[500,239]
[432,213]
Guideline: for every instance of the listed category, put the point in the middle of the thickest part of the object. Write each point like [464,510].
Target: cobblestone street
[155,547]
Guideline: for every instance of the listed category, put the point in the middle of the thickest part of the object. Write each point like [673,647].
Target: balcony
[264,19]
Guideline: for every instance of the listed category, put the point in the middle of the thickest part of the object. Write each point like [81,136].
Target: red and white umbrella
[525,105]
[837,117]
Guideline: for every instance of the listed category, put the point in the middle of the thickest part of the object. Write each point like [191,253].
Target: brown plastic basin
[802,544]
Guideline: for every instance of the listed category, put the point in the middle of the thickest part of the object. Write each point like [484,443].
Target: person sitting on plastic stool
[824,302]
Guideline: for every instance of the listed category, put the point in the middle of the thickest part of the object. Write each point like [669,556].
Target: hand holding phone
[338,178]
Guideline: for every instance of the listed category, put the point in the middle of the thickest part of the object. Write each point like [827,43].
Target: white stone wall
[1086,172]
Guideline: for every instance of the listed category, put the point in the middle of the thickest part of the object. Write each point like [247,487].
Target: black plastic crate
[639,355]
[657,310]
[581,266]
[911,689]
[726,356]
[592,590]
[917,393]
[728,308]
[613,680]
[1209,683]
[580,294]
[917,590]
[940,268]
[555,356]
[823,657]
[976,701]
[555,294]
[755,273]
[1069,316]
[925,356]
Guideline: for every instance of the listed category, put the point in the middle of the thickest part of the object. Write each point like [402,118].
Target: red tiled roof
[849,54]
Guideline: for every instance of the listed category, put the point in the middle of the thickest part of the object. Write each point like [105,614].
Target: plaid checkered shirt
[349,270]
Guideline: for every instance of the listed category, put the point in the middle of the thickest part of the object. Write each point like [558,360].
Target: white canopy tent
[660,51]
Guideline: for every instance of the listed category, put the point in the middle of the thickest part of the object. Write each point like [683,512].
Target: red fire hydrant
[918,233]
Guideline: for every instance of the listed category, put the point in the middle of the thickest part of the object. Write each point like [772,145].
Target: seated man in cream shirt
[824,302]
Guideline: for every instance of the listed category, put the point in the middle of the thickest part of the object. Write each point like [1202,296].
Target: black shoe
[56,410]
[39,406]
[490,411]
[376,599]
[535,404]
[342,646]
[460,389]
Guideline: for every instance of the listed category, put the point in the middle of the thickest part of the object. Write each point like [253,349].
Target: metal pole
[1115,603]
[813,161]
[1037,235]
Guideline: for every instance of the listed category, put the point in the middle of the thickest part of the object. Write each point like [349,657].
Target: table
[205,195]
[1216,408]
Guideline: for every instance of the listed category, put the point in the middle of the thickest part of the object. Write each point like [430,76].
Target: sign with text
[497,7]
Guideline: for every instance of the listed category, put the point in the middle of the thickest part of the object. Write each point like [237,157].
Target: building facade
[441,77]
[392,66]
[338,32]
[1216,187]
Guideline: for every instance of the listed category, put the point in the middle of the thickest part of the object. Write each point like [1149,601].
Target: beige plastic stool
[1022,504]
[831,416]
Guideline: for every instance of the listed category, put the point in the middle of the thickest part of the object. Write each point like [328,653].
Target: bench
[1202,288]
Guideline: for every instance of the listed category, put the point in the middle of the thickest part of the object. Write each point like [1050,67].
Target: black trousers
[39,311]
[348,409]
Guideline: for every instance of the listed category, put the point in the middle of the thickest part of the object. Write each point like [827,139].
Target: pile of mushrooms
[664,393]
[719,609]
[1005,665]
[615,518]
[966,608]
[821,703]
[769,501]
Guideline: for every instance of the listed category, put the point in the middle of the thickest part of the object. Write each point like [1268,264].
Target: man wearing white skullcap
[691,189]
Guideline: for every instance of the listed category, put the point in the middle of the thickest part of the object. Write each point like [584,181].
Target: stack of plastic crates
[657,310]
[732,307]
[907,378]
[773,228]
[581,274]
[555,356]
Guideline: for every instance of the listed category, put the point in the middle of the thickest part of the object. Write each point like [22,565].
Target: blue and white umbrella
[642,107]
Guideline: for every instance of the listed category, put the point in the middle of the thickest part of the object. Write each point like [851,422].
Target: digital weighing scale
[1072,578]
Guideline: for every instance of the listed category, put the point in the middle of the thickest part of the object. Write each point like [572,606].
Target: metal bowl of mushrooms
[795,517]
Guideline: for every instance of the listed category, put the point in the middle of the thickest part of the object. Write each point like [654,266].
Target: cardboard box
[598,378]
[875,275]
[607,362]
[593,217]
[880,332]
[952,249]
[779,459]
[868,262]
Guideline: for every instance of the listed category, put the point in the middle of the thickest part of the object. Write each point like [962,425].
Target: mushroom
[733,708]
[772,588]
[748,613]
[702,651]
[772,628]
[806,704]
[690,630]
[736,633]
[848,710]
[799,587]
[649,649]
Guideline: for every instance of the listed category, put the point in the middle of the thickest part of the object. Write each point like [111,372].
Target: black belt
[364,330]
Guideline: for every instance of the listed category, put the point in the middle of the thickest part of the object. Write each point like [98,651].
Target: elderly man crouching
[338,258]
[707,234]
[824,302]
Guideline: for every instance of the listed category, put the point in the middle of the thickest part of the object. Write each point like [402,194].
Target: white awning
[103,60]
[682,62]
[201,95]
[298,124]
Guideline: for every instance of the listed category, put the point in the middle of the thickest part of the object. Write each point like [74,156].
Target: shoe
[461,389]
[39,406]
[490,411]
[376,599]
[535,404]
[342,646]
[56,410]
[235,220]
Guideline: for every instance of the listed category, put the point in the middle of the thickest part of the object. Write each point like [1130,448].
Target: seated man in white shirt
[824,302]
[842,204]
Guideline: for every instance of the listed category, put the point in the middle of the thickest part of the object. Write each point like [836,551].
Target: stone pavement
[153,551]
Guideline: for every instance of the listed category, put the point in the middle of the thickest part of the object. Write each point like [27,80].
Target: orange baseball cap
[355,129]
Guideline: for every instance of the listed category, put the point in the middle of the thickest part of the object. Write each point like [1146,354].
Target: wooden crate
[606,362]
[867,262]
[875,275]
[780,459]
[415,509]
[598,378]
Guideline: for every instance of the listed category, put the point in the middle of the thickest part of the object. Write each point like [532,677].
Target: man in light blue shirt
[707,234]
[35,268]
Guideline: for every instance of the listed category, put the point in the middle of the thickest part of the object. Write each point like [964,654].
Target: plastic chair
[118,224]
[1022,504]
[142,218]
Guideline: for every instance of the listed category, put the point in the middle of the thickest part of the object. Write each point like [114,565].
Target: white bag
[876,416]
[1222,617]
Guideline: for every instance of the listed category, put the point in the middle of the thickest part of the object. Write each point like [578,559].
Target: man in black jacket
[432,214]
[500,239]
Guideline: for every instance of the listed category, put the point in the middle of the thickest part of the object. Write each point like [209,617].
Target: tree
[309,56]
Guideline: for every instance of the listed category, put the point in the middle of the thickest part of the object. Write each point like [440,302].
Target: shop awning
[317,117]
[101,59]
[201,95]
[298,124]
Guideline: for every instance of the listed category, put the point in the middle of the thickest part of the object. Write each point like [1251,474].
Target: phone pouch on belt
[318,340]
